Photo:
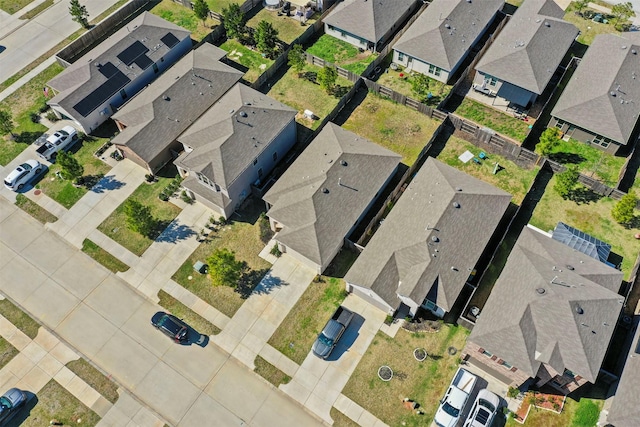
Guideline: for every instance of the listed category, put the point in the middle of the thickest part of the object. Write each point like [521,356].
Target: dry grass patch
[7,352]
[56,403]
[341,420]
[193,319]
[34,209]
[497,120]
[184,17]
[288,28]
[19,318]
[424,382]
[588,28]
[270,373]
[96,379]
[391,125]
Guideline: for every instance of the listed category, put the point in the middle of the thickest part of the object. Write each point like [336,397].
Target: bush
[52,117]
[275,251]
[35,117]
[265,229]
[186,198]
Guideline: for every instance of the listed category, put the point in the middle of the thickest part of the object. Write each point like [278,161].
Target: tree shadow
[26,137]
[567,158]
[583,195]
[89,181]
[249,281]
[268,283]
[339,91]
[634,223]
[106,183]
[172,232]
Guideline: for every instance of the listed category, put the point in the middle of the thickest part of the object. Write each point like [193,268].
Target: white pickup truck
[60,140]
[455,398]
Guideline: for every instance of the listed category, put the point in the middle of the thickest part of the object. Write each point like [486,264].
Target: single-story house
[624,410]
[550,316]
[152,121]
[368,24]
[518,66]
[428,246]
[600,105]
[440,39]
[234,144]
[91,89]
[326,192]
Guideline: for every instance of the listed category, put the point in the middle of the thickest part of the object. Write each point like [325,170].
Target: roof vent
[570,267]
[547,24]
[541,291]
[166,98]
[458,189]
[456,205]
[325,190]
[612,93]
[243,114]
[435,238]
[579,310]
[447,26]
[343,162]
[635,52]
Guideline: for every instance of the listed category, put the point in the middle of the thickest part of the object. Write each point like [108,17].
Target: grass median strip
[36,10]
[57,403]
[96,379]
[7,352]
[35,210]
[341,420]
[183,312]
[270,373]
[103,257]
[19,318]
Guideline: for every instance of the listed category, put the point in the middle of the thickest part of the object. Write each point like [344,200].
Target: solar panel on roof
[130,54]
[170,40]
[143,62]
[107,69]
[101,94]
[581,241]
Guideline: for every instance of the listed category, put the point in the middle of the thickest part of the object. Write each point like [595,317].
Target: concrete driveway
[107,321]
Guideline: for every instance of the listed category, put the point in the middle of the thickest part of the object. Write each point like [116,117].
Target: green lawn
[341,420]
[288,28]
[402,83]
[270,373]
[26,100]
[184,17]
[103,257]
[218,5]
[96,379]
[35,210]
[302,94]
[424,382]
[251,59]
[63,191]
[588,28]
[193,319]
[12,6]
[115,225]
[7,352]
[582,413]
[341,53]
[55,402]
[242,236]
[393,126]
[19,318]
[500,122]
[592,217]
[590,160]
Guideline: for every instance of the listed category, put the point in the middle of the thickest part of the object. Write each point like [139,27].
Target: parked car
[332,331]
[61,140]
[483,410]
[22,174]
[454,400]
[171,326]
[10,404]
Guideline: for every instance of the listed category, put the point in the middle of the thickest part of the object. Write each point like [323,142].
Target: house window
[569,374]
[123,94]
[506,364]
[255,161]
[491,81]
[560,124]
[162,59]
[206,181]
[343,33]
[400,56]
[331,27]
[486,353]
[275,156]
[434,70]
[155,68]
[429,305]
[601,141]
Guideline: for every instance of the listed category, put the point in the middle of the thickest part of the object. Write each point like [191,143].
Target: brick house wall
[494,362]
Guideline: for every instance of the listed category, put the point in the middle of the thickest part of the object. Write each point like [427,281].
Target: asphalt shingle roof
[603,95]
[443,33]
[625,411]
[324,192]
[434,235]
[553,305]
[368,19]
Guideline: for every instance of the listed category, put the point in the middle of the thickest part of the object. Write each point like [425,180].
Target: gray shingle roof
[609,66]
[529,49]
[551,304]
[83,86]
[425,222]
[443,33]
[369,19]
[166,108]
[582,242]
[233,132]
[625,411]
[541,7]
[352,169]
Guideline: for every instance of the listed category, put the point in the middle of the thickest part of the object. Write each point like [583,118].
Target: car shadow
[348,338]
[24,413]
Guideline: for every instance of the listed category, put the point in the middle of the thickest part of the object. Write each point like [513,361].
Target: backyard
[302,94]
[342,54]
[582,413]
[402,82]
[511,178]
[241,236]
[184,17]
[393,126]
[288,28]
[588,28]
[251,59]
[424,382]
[115,225]
[498,121]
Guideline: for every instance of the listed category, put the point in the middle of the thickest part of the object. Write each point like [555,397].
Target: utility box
[201,267]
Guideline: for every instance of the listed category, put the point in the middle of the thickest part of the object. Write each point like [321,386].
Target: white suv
[22,174]
[483,410]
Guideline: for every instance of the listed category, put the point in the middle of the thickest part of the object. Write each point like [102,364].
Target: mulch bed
[550,402]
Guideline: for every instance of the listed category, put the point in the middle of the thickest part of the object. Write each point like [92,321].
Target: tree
[566,181]
[549,139]
[201,10]
[327,77]
[139,218]
[420,86]
[297,58]
[234,21]
[266,37]
[79,13]
[69,167]
[623,211]
[6,123]
[579,5]
[621,12]
[224,268]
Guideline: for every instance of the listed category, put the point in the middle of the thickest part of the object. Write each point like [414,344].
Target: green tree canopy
[327,77]
[549,139]
[566,181]
[224,268]
[579,5]
[623,211]
[69,167]
[266,37]
[79,13]
[296,57]
[622,12]
[6,123]
[234,21]
[201,10]
[139,218]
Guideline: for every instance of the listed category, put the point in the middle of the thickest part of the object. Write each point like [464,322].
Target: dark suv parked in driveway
[10,404]
[171,326]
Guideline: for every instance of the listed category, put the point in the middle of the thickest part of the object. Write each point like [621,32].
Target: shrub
[35,117]
[51,116]
[275,251]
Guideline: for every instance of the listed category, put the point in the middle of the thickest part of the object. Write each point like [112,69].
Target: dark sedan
[10,404]
[171,326]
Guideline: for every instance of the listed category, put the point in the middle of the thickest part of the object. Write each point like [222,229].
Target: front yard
[55,402]
[500,122]
[184,17]
[250,59]
[342,54]
[424,382]
[510,178]
[581,413]
[241,236]
[393,126]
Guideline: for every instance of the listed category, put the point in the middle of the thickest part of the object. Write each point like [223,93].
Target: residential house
[234,144]
[518,66]
[428,246]
[440,39]
[550,316]
[91,89]
[600,104]
[151,122]
[368,24]
[624,410]
[326,192]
